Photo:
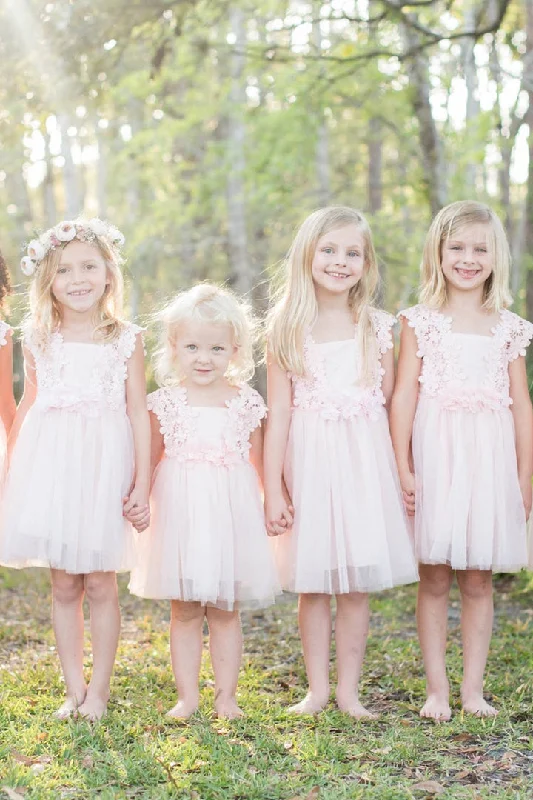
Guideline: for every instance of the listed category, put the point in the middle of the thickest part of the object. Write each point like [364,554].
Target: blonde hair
[207,303]
[45,312]
[296,308]
[449,220]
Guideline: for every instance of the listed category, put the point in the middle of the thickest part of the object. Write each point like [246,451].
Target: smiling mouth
[79,293]
[467,273]
[337,274]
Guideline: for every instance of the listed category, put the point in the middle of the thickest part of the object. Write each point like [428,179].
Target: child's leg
[67,619]
[314,617]
[432,618]
[476,625]
[351,633]
[225,646]
[102,594]
[186,639]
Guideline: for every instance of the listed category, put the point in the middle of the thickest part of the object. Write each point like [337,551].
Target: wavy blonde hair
[45,312]
[207,303]
[447,223]
[296,309]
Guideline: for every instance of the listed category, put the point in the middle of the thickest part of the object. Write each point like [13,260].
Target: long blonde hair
[209,303]
[296,308]
[449,220]
[45,312]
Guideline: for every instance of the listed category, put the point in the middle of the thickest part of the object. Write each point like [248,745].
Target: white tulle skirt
[62,501]
[469,509]
[350,532]
[207,540]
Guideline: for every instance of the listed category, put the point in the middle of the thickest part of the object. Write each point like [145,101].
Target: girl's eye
[481,250]
[90,266]
[353,253]
[327,250]
[218,349]
[191,347]
[61,270]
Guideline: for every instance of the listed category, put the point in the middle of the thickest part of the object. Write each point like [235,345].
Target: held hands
[136,509]
[279,513]
[407,481]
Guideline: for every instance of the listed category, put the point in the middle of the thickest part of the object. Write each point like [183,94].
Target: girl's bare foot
[477,705]
[69,706]
[353,707]
[227,708]
[183,709]
[93,708]
[311,704]
[436,707]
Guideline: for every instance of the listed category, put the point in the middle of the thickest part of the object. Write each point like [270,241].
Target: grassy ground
[137,753]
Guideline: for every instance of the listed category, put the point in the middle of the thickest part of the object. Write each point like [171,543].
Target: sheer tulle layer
[207,540]
[350,533]
[62,504]
[469,509]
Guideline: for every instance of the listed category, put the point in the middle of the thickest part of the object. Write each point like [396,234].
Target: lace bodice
[220,435]
[467,371]
[4,330]
[82,377]
[331,383]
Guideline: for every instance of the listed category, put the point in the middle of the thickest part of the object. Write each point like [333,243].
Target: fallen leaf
[88,761]
[431,787]
[30,761]
[287,745]
[12,794]
[313,794]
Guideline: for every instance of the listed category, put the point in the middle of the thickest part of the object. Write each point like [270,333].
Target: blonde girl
[79,445]
[462,426]
[206,550]
[332,492]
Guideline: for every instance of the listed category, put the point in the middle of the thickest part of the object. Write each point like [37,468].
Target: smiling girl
[79,445]
[331,486]
[462,426]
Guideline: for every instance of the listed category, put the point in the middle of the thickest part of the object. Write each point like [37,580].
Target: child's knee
[100,586]
[186,612]
[475,584]
[435,580]
[66,588]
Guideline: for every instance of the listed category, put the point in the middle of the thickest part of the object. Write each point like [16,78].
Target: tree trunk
[322,138]
[72,200]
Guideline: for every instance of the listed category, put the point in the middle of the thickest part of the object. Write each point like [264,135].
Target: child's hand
[527,495]
[279,513]
[136,509]
[407,481]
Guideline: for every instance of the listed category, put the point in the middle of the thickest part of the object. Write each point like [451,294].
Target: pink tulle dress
[4,331]
[350,532]
[72,463]
[469,510]
[207,540]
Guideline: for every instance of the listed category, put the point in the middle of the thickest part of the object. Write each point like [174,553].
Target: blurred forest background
[207,129]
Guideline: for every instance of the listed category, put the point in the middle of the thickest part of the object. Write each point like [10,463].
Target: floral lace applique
[4,329]
[105,384]
[313,392]
[178,424]
[442,375]
[176,418]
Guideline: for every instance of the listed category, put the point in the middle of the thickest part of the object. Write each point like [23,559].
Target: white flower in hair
[36,250]
[98,226]
[65,232]
[27,265]
[116,236]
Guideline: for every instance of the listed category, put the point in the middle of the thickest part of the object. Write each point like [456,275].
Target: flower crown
[64,232]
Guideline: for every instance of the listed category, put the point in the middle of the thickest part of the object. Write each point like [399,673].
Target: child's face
[81,277]
[203,351]
[466,259]
[339,260]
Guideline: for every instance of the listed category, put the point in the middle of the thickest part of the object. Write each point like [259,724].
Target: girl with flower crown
[207,549]
[331,486]
[462,427]
[7,401]
[79,446]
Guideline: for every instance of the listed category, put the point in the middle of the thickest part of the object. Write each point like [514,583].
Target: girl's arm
[140,424]
[140,516]
[27,400]
[278,509]
[387,383]
[402,412]
[256,451]
[7,401]
[523,423]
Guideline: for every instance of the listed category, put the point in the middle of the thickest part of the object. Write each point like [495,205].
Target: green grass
[137,753]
